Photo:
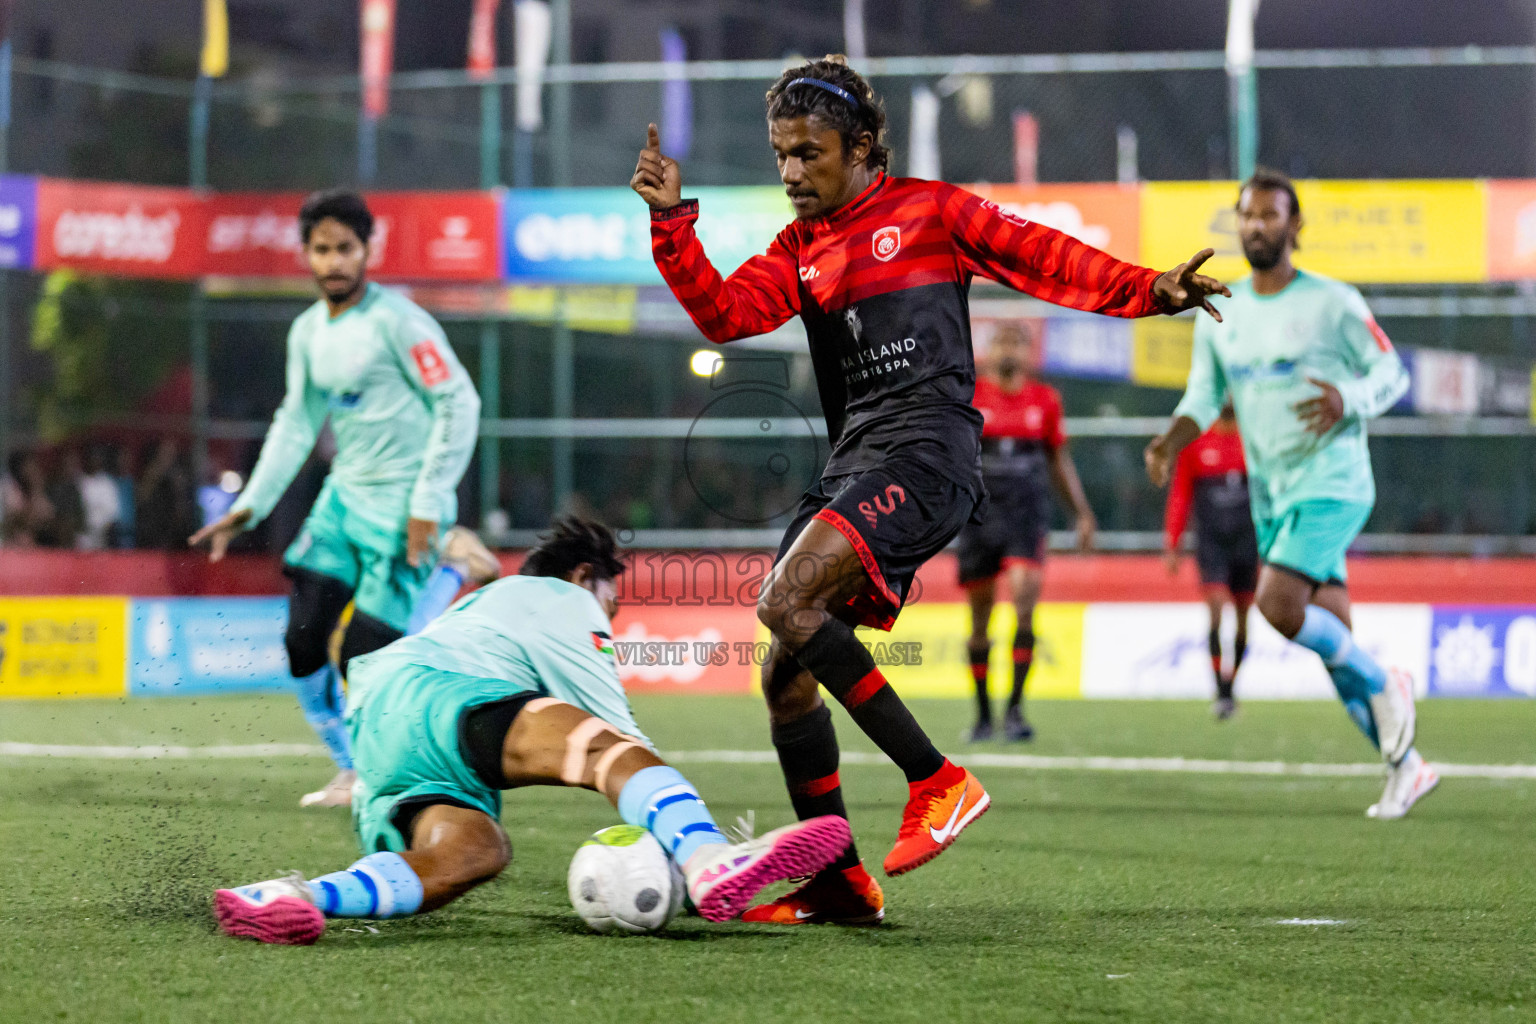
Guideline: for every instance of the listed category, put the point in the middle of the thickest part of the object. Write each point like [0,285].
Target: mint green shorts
[368,560]
[404,722]
[1312,536]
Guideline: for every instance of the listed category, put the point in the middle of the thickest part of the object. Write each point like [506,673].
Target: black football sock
[1214,640]
[834,656]
[1239,648]
[808,756]
[1023,658]
[978,657]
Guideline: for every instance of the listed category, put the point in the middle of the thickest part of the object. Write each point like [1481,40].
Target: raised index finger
[1197,259]
[653,138]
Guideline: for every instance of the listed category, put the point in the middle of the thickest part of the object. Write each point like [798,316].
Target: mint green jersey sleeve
[571,649]
[1206,391]
[290,438]
[1381,377]
[435,371]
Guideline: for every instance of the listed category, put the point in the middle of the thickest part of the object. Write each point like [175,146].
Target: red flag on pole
[482,39]
[378,27]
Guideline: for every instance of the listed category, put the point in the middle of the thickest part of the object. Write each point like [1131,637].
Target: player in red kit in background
[1023,453]
[879,270]
[1211,479]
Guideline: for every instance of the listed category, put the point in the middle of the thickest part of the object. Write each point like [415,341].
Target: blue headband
[829,87]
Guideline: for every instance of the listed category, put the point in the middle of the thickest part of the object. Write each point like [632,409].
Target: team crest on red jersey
[887,242]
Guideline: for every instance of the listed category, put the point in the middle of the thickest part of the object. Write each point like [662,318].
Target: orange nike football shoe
[938,809]
[849,896]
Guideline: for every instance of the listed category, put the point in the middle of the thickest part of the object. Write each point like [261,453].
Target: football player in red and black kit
[1212,479]
[878,268]
[1023,453]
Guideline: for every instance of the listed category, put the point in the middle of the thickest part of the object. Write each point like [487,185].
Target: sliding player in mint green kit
[1305,366]
[405,417]
[516,685]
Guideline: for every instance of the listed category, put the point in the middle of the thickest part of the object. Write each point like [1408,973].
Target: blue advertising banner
[603,235]
[1483,651]
[1087,346]
[193,645]
[18,221]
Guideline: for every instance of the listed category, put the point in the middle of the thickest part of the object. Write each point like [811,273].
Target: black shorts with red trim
[1228,561]
[897,516]
[1014,529]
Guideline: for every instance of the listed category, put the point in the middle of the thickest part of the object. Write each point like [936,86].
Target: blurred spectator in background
[101,501]
[165,514]
[68,503]
[28,512]
[122,479]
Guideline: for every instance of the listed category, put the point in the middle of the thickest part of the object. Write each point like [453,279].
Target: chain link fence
[103,371]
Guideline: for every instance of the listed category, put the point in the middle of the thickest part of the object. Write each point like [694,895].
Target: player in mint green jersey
[516,685]
[405,417]
[1305,365]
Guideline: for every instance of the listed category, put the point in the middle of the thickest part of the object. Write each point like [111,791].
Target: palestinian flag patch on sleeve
[603,642]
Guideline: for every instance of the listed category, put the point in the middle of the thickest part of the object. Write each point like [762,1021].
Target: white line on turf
[1181,765]
[1311,921]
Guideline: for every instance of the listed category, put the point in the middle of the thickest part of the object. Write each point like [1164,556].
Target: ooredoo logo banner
[128,230]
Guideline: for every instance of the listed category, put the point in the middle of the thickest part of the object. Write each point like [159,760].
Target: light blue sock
[379,885]
[321,698]
[1356,675]
[444,584]
[660,799]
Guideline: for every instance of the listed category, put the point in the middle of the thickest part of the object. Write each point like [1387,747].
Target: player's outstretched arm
[1054,266]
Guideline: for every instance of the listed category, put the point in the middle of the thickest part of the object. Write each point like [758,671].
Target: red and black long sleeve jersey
[1211,477]
[882,285]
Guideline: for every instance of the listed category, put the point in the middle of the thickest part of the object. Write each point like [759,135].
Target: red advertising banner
[417,236]
[661,648]
[1511,230]
[254,234]
[1107,217]
[378,54]
[436,236]
[122,230]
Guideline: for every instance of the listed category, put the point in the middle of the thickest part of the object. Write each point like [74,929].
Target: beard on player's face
[338,259]
[1263,252]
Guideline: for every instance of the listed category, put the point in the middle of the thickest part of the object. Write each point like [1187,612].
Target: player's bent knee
[1281,611]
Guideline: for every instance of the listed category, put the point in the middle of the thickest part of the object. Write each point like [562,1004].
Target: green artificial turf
[1081,896]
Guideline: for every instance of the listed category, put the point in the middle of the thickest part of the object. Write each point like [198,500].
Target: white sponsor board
[1162,650]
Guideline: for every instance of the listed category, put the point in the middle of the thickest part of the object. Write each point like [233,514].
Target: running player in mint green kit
[405,416]
[516,685]
[1305,366]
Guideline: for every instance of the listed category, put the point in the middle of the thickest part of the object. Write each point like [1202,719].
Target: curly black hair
[339,204]
[851,107]
[571,541]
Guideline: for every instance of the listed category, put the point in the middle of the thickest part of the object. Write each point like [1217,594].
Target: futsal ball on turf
[621,880]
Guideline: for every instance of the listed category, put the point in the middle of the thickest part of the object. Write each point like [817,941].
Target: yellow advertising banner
[1161,347]
[936,634]
[1359,231]
[63,647]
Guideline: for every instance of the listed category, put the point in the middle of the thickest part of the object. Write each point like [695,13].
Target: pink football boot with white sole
[279,912]
[723,877]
